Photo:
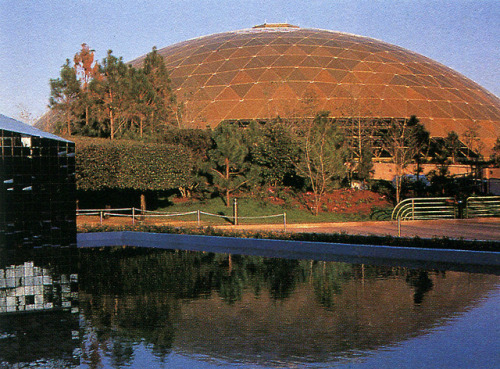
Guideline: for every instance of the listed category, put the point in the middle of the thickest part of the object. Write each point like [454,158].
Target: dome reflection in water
[171,308]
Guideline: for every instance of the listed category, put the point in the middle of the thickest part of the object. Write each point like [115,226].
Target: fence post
[100,217]
[284,221]
[133,215]
[199,220]
[235,211]
[399,227]
[412,209]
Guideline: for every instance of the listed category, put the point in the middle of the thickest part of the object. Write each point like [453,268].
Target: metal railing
[136,214]
[425,208]
[483,206]
[446,207]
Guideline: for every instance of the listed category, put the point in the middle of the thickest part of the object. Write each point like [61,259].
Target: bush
[121,164]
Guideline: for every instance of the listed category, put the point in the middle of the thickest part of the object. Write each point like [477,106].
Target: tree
[475,147]
[25,114]
[227,159]
[404,141]
[156,73]
[360,133]
[452,145]
[364,165]
[142,101]
[473,142]
[112,90]
[495,157]
[113,99]
[64,92]
[321,155]
[86,70]
[272,146]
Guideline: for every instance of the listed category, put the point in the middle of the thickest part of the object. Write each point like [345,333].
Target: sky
[36,37]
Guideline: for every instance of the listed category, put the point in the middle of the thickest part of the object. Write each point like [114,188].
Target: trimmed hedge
[120,164]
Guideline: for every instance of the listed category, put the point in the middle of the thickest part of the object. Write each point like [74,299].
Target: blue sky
[36,37]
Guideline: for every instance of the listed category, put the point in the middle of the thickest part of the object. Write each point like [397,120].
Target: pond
[181,309]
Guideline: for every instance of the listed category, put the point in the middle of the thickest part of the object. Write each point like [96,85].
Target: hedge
[121,164]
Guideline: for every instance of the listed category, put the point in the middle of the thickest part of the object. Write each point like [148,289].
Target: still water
[173,309]
[39,313]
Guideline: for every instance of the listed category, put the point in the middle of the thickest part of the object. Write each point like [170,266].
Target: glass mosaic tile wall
[38,254]
[37,187]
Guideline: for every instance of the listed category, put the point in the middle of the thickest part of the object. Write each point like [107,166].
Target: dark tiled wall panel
[37,188]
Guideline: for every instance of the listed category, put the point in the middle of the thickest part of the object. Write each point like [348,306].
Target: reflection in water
[39,325]
[255,310]
[27,287]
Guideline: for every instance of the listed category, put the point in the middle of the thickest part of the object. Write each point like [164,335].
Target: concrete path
[470,229]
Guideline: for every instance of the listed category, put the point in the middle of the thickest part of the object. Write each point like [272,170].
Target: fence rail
[483,206]
[137,214]
[446,207]
[425,208]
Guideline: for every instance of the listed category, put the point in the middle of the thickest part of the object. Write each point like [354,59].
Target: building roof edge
[11,124]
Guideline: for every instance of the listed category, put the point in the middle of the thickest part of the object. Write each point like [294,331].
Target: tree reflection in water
[255,309]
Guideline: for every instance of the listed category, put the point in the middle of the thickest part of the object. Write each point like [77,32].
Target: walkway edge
[286,249]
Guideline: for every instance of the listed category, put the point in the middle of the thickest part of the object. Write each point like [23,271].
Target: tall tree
[404,141]
[270,150]
[64,92]
[113,99]
[156,72]
[86,71]
[227,159]
[142,100]
[452,145]
[113,91]
[473,142]
[322,154]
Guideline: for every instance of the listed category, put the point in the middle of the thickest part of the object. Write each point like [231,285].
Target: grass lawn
[249,208]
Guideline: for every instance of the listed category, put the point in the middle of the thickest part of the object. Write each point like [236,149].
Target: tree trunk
[317,200]
[143,205]
[112,124]
[227,182]
[398,188]
[68,121]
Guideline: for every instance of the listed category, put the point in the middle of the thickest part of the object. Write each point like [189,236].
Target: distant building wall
[491,176]
[387,171]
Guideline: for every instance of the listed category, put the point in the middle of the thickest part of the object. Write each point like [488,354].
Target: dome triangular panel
[338,68]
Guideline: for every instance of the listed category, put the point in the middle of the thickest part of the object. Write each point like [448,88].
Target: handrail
[424,208]
[483,206]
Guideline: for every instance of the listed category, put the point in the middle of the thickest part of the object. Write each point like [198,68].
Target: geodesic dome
[287,71]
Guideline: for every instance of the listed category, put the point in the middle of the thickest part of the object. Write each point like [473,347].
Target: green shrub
[121,164]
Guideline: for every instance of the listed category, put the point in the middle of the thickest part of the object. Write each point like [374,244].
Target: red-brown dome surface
[282,70]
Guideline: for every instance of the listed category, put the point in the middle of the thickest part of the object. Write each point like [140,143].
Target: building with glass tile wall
[38,254]
[37,187]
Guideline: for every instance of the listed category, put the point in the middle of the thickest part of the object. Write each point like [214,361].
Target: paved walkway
[470,229]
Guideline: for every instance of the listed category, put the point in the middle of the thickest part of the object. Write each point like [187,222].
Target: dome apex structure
[276,25]
[282,70]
